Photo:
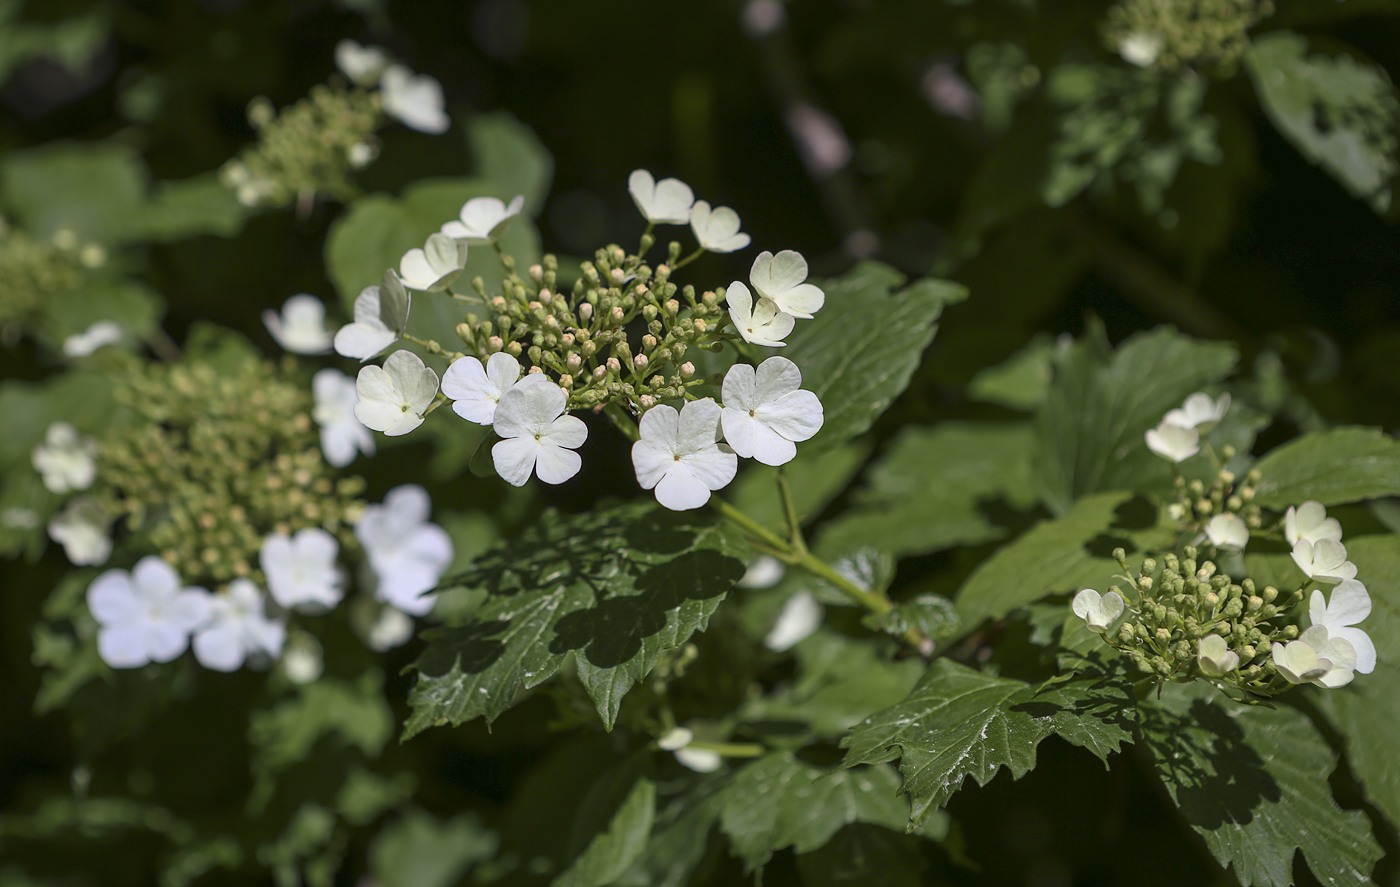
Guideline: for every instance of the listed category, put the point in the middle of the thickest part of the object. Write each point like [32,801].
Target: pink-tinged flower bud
[701,326]
[613,366]
[514,349]
[641,361]
[585,312]
[600,373]
[646,401]
[648,342]
[616,275]
[617,314]
[672,307]
[687,370]
[495,344]
[567,339]
[534,370]
[566,382]
[498,302]
[536,273]
[573,363]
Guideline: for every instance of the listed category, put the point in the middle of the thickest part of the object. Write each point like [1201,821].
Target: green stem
[731,749]
[790,513]
[688,259]
[623,421]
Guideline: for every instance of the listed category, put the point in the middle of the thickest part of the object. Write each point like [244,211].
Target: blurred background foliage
[1237,190]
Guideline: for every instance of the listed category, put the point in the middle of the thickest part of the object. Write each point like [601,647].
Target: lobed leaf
[1334,467]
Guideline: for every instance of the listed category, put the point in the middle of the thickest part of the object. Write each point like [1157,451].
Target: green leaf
[1334,467]
[616,587]
[924,494]
[83,399]
[859,352]
[512,158]
[1252,781]
[613,850]
[94,189]
[1090,428]
[190,207]
[1377,560]
[418,850]
[958,722]
[779,801]
[134,307]
[857,851]
[1367,713]
[1339,113]
[1021,381]
[393,302]
[679,836]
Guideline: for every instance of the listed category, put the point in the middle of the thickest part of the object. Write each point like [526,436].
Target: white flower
[666,202]
[1310,521]
[484,219]
[82,531]
[391,630]
[1316,658]
[1174,443]
[433,268]
[760,325]
[1199,409]
[1349,605]
[66,459]
[342,435]
[301,570]
[407,553]
[717,229]
[680,455]
[1101,612]
[362,64]
[417,101]
[535,434]
[1227,531]
[395,399]
[1325,560]
[368,334]
[678,737]
[301,327]
[100,334]
[765,572]
[701,760]
[237,629]
[302,659]
[1141,49]
[145,616]
[800,616]
[1215,657]
[765,412]
[476,390]
[780,279]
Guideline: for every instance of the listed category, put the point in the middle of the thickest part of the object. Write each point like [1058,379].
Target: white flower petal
[414,100]
[665,202]
[515,459]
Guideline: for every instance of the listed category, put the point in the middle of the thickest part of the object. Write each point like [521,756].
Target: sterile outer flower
[301,327]
[761,324]
[98,335]
[1215,657]
[780,279]
[415,100]
[1316,658]
[407,552]
[765,411]
[484,220]
[237,628]
[701,760]
[1199,409]
[391,630]
[145,615]
[475,389]
[301,570]
[717,229]
[1141,49]
[1101,612]
[368,334]
[764,572]
[362,64]
[666,202]
[394,399]
[678,737]
[1350,604]
[82,530]
[1325,560]
[66,459]
[342,435]
[1310,521]
[1174,443]
[801,615]
[433,268]
[536,435]
[1227,531]
[679,454]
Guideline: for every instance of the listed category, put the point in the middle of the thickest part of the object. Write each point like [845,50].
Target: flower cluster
[33,272]
[1209,35]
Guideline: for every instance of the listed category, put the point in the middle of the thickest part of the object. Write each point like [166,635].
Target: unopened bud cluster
[1207,35]
[33,271]
[1196,504]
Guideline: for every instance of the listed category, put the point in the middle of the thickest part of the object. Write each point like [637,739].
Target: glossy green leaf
[1334,467]
[1021,381]
[613,850]
[679,836]
[1367,714]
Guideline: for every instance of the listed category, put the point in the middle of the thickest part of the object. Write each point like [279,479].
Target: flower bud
[613,366]
[616,274]
[701,326]
[585,312]
[567,340]
[648,342]
[514,349]
[656,381]
[687,370]
[1163,636]
[1255,603]
[649,312]
[464,332]
[600,373]
[1289,632]
[546,297]
[640,361]
[617,314]
[589,349]
[646,401]
[573,362]
[535,353]
[536,273]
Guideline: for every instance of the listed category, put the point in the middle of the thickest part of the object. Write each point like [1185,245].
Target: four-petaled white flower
[1316,658]
[1174,443]
[301,570]
[678,742]
[66,459]
[237,628]
[781,280]
[484,220]
[717,229]
[1325,560]
[301,327]
[1100,611]
[536,435]
[762,324]
[415,100]
[98,335]
[666,202]
[1141,49]
[1215,657]
[362,64]
[433,268]
[145,615]
[1349,605]
[679,454]
[1199,409]
[765,411]
[82,531]
[1310,521]
[395,399]
[407,553]
[801,615]
[342,435]
[476,390]
[1227,531]
[368,334]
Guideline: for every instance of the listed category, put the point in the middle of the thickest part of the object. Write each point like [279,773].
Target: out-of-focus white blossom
[342,435]
[1174,443]
[301,327]
[145,615]
[301,570]
[666,202]
[83,531]
[1199,409]
[801,615]
[1227,531]
[416,100]
[98,335]
[362,64]
[66,460]
[407,552]
[237,629]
